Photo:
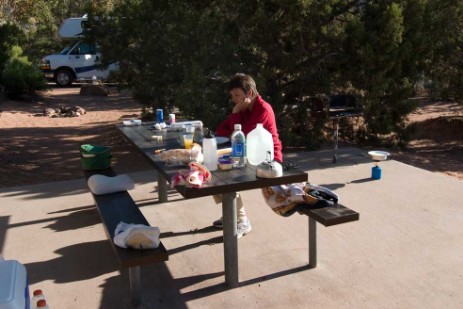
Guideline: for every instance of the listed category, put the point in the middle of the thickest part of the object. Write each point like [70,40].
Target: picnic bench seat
[328,216]
[114,208]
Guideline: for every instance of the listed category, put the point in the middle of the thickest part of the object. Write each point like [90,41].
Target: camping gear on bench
[95,157]
[285,200]
[136,236]
[318,203]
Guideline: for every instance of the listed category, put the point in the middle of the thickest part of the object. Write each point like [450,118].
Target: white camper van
[77,60]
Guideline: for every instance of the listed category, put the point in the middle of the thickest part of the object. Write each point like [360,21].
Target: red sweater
[262,112]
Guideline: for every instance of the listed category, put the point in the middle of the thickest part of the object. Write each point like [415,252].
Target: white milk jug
[259,143]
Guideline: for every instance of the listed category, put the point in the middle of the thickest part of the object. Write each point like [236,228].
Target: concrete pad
[405,252]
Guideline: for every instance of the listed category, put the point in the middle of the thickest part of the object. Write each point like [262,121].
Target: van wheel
[63,78]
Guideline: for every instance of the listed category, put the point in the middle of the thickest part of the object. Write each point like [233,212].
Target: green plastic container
[95,157]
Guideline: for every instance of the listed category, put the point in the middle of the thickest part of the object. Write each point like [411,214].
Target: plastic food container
[225,163]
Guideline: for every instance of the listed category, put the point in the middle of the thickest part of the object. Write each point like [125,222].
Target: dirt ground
[437,143]
[35,148]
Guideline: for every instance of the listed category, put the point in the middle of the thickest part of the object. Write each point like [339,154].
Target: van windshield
[66,50]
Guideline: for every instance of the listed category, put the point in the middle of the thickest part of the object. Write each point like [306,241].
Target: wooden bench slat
[331,215]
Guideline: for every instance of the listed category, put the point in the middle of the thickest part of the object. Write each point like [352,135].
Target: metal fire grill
[336,107]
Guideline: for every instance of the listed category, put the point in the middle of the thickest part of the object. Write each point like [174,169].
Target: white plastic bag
[136,236]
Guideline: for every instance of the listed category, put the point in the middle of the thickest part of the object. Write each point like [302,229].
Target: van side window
[75,51]
[86,48]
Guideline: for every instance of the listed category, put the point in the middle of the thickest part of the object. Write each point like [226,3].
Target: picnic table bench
[328,216]
[114,208]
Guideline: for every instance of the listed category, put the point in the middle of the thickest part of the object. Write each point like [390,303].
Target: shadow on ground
[38,155]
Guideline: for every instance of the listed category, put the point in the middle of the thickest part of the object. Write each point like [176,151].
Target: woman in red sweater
[249,110]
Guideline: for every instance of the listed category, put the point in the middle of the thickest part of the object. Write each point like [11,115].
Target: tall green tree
[181,53]
[445,64]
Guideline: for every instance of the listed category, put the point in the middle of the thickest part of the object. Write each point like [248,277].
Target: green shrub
[10,35]
[19,76]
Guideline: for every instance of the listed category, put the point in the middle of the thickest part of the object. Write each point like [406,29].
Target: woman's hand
[241,106]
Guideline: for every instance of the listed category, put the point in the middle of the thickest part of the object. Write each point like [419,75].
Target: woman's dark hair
[243,82]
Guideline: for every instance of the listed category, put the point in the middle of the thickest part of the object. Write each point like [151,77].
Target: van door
[84,57]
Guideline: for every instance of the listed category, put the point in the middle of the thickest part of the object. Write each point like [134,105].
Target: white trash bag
[136,236]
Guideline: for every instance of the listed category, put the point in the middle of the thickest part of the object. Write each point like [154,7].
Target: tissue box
[14,288]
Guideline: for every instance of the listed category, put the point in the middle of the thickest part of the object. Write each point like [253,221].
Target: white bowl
[379,155]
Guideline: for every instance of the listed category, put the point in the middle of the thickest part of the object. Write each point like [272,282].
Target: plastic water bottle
[238,142]
[210,152]
[94,80]
[259,143]
[36,296]
[42,304]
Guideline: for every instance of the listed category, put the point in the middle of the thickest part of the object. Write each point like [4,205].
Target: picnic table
[226,183]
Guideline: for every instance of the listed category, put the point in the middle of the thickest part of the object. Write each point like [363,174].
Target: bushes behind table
[19,76]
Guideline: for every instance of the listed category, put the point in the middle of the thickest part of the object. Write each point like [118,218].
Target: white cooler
[14,288]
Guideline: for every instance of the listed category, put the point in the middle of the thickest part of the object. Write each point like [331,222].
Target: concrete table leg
[312,243]
[162,188]
[230,240]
